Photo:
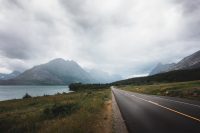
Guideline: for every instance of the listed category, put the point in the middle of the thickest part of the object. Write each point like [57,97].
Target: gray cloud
[189,6]
[13,47]
[124,37]
[12,4]
[191,12]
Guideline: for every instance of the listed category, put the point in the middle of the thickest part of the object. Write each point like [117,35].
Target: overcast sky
[126,37]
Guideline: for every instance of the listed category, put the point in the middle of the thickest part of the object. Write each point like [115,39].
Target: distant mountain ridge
[189,62]
[55,72]
[11,75]
[168,77]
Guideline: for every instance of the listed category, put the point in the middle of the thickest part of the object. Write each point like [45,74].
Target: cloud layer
[124,37]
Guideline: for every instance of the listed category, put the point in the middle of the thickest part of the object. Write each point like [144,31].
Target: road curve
[157,114]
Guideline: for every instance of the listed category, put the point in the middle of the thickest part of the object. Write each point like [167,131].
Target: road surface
[158,114]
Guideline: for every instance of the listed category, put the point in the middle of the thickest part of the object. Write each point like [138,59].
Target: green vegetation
[179,83]
[173,76]
[83,87]
[79,112]
[88,110]
[190,90]
[26,96]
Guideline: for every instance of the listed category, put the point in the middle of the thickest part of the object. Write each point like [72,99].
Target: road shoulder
[118,122]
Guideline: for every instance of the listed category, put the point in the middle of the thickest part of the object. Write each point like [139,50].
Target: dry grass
[190,90]
[87,112]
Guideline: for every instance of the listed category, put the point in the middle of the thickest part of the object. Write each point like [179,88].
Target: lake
[17,92]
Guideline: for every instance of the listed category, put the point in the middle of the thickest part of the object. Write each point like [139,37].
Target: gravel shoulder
[118,122]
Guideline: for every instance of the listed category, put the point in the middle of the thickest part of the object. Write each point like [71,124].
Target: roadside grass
[77,112]
[189,90]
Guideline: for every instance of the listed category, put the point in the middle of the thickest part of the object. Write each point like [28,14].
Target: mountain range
[189,62]
[58,72]
[65,72]
[14,74]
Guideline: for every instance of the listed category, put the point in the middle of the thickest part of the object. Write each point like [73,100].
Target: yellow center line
[188,116]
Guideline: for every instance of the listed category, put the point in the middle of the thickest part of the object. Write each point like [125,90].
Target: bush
[83,87]
[27,96]
[61,110]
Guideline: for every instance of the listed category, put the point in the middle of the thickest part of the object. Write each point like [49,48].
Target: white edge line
[183,114]
[175,101]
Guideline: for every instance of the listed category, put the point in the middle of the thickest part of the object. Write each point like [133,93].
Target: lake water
[17,92]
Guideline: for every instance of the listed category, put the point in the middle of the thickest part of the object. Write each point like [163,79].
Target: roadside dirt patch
[105,120]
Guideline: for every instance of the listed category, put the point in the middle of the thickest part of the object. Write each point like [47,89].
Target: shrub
[83,87]
[61,110]
[27,96]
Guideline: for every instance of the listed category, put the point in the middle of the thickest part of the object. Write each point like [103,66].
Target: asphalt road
[158,114]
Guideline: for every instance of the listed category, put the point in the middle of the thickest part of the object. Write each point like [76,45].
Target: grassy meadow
[189,90]
[78,112]
[88,110]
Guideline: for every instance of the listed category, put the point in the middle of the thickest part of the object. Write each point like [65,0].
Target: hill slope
[189,62]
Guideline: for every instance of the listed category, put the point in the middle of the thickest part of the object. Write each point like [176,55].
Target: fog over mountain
[160,68]
[189,62]
[59,72]
[11,75]
[123,37]
[103,77]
